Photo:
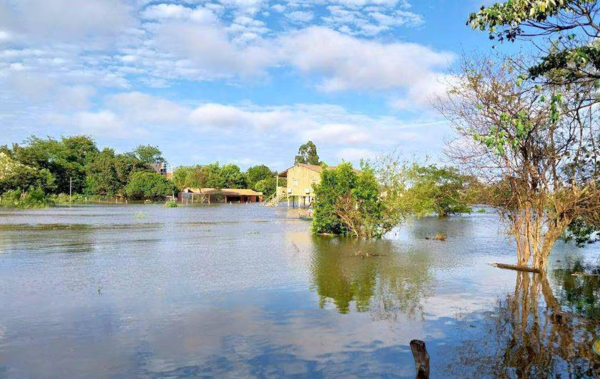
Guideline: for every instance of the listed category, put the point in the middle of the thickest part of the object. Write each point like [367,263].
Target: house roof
[311,167]
[224,191]
[240,192]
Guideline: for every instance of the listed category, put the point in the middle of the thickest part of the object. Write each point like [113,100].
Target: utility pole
[71,190]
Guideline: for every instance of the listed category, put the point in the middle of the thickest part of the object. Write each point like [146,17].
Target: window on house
[296,183]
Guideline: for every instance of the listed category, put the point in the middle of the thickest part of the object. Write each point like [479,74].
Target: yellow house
[300,180]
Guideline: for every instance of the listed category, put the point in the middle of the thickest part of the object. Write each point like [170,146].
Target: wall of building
[300,179]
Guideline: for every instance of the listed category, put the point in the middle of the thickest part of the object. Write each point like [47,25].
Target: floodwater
[242,291]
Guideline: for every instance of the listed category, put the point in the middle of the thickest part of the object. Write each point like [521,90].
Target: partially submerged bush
[170,204]
[34,198]
[77,198]
[350,202]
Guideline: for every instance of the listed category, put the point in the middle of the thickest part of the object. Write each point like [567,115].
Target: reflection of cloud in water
[308,343]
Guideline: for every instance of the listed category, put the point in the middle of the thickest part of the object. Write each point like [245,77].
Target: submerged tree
[433,189]
[307,154]
[566,34]
[354,203]
[537,146]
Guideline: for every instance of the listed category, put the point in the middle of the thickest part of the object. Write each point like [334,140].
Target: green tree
[65,159]
[17,176]
[126,165]
[257,173]
[189,177]
[232,177]
[440,190]
[348,202]
[571,26]
[566,34]
[148,154]
[212,175]
[267,186]
[101,174]
[307,154]
[149,186]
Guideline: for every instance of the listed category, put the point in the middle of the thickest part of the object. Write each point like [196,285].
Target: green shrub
[148,186]
[76,198]
[348,202]
[34,198]
[170,204]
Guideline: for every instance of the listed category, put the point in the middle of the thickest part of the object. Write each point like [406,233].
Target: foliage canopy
[307,154]
[351,203]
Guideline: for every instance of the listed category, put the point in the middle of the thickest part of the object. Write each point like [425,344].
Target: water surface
[241,291]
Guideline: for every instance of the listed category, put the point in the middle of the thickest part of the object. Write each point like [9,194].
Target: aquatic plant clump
[170,204]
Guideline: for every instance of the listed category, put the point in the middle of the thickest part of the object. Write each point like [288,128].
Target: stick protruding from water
[421,356]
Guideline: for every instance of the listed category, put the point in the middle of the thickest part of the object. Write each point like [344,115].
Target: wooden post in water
[421,358]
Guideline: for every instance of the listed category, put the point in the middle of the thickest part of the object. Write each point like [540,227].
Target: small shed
[225,195]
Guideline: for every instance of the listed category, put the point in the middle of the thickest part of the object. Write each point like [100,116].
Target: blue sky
[235,81]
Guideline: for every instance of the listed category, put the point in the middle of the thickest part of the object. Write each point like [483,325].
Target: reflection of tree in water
[387,285]
[578,288]
[532,337]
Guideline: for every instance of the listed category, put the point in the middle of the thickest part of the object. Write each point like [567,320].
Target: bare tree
[536,144]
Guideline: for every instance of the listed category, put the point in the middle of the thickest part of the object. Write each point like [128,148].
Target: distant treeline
[50,167]
[44,169]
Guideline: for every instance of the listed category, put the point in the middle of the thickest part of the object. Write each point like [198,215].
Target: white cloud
[105,123]
[228,117]
[92,21]
[245,6]
[206,44]
[166,11]
[370,18]
[35,90]
[348,63]
[337,133]
[143,108]
[300,16]
[198,42]
[61,58]
[424,92]
[356,154]
[360,3]
[4,36]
